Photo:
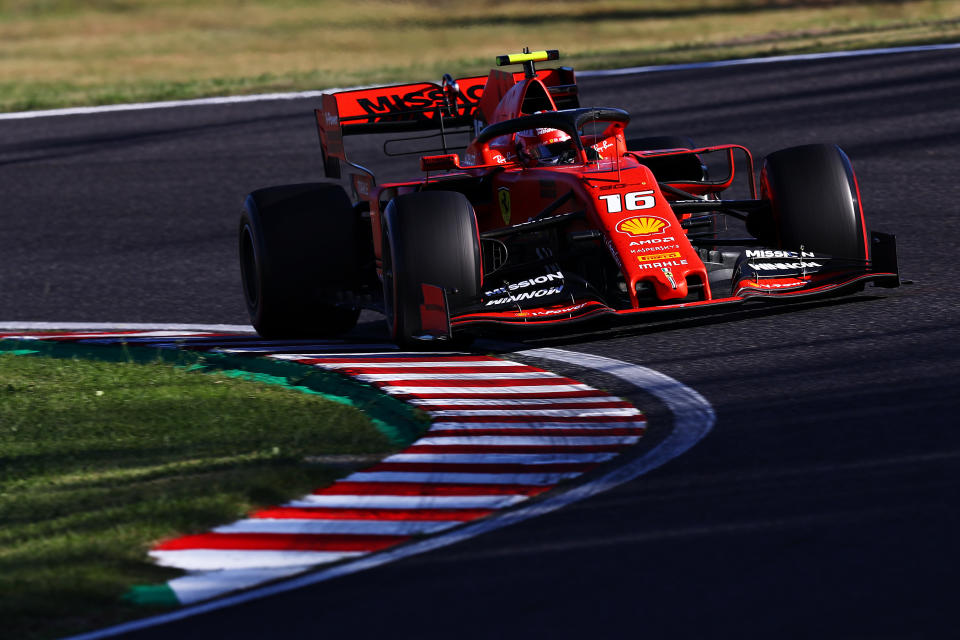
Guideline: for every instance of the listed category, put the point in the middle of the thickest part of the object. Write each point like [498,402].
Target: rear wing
[405,107]
[424,106]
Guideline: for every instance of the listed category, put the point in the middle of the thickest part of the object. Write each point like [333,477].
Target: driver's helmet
[546,146]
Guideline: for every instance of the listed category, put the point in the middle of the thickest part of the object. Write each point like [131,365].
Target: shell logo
[642,225]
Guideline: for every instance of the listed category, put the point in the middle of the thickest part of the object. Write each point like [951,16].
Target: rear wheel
[297,246]
[814,202]
[429,238]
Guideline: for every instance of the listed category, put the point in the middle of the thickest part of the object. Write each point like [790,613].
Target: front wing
[588,309]
[882,271]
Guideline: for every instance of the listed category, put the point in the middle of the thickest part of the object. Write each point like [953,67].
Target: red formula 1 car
[550,215]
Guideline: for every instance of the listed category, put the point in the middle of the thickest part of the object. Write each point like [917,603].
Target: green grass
[100,460]
[66,52]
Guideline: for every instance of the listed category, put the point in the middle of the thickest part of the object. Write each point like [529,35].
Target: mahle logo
[642,225]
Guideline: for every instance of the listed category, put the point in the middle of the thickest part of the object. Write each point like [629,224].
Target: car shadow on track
[502,340]
[602,329]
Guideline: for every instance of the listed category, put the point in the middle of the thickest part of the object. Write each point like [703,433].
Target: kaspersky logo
[642,225]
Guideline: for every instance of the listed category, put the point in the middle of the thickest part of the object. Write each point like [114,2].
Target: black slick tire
[298,249]
[428,238]
[814,202]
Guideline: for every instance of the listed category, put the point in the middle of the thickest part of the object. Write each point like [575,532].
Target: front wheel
[814,202]
[430,238]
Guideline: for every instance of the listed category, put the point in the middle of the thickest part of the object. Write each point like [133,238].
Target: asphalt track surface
[824,502]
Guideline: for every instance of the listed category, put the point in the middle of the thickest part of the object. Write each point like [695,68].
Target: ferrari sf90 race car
[533,212]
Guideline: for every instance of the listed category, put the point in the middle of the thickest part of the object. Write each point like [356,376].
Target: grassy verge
[73,52]
[99,460]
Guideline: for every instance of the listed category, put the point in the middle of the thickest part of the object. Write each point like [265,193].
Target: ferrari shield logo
[669,274]
[503,197]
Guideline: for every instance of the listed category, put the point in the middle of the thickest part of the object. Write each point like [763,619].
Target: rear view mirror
[447,162]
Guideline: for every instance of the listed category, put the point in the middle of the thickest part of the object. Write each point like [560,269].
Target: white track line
[505,401]
[209,559]
[401,377]
[381,501]
[339,527]
[13,325]
[557,413]
[800,57]
[317,347]
[263,97]
[544,388]
[462,477]
[203,585]
[502,458]
[693,419]
[169,104]
[416,365]
[529,441]
[110,336]
[593,425]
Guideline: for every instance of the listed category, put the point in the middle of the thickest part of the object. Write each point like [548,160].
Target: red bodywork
[618,194]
